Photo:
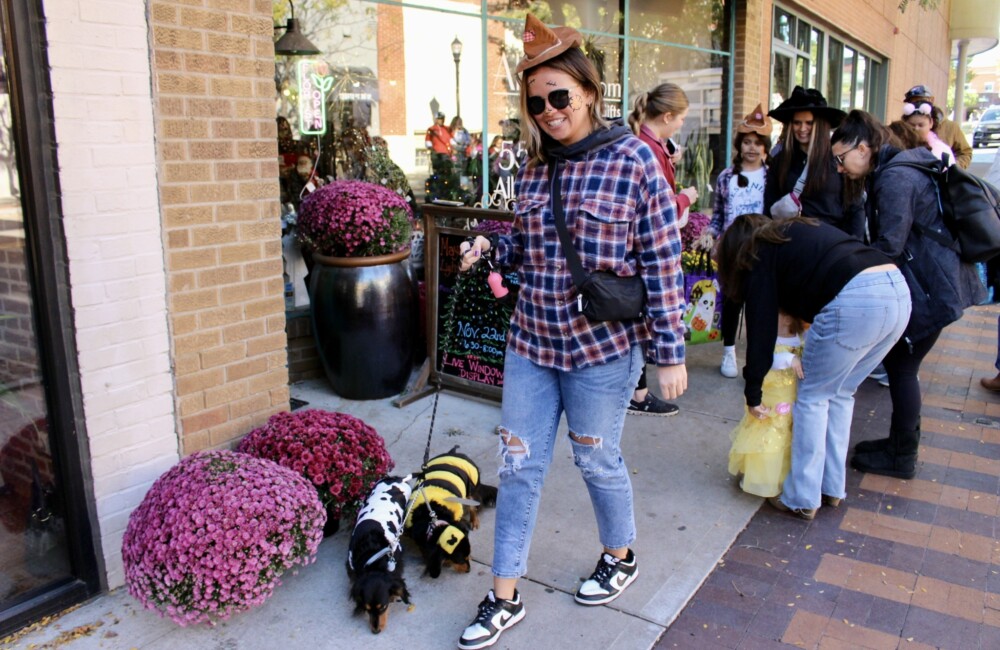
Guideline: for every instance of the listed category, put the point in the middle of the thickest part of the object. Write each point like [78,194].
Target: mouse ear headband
[909,109]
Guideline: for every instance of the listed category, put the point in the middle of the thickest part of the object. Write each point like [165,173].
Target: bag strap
[800,182]
[569,251]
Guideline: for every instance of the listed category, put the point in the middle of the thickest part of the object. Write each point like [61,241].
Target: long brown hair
[908,136]
[737,250]
[576,64]
[818,154]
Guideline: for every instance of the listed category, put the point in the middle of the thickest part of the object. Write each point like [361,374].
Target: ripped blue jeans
[534,399]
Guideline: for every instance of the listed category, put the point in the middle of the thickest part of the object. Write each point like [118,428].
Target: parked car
[987,131]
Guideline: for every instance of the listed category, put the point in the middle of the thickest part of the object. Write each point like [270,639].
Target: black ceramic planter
[364,316]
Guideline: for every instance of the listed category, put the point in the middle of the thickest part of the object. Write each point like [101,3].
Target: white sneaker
[729,367]
[494,617]
[611,577]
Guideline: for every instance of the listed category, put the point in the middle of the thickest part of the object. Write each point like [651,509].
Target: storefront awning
[974,21]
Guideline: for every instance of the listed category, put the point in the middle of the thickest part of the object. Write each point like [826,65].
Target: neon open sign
[314,84]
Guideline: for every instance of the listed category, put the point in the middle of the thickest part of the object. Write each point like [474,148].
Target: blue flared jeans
[594,400]
[847,339]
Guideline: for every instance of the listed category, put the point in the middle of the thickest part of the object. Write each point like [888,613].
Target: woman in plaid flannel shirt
[620,215]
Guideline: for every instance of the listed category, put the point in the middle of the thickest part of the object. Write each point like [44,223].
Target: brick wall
[753,47]
[213,80]
[100,78]
[391,67]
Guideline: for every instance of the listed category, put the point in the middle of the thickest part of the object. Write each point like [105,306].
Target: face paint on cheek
[576,102]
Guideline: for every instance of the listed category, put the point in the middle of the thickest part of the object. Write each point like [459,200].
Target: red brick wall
[391,67]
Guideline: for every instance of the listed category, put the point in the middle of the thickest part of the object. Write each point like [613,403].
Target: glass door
[47,558]
[33,545]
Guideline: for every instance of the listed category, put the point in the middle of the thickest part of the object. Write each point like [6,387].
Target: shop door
[46,556]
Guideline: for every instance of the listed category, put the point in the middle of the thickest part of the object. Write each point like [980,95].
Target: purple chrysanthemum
[340,454]
[214,534]
[351,218]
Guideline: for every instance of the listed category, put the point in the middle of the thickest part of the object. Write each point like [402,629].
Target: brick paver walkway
[900,564]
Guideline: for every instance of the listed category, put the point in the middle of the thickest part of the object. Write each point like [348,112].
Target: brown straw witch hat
[542,44]
[755,122]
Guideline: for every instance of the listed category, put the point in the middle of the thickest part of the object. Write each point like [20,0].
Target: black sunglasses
[558,99]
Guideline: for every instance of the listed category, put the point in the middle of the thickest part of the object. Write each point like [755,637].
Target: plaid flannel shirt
[620,214]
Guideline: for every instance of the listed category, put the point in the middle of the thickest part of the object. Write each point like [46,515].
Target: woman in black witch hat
[805,144]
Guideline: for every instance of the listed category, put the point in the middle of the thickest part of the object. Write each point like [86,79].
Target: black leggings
[730,320]
[902,365]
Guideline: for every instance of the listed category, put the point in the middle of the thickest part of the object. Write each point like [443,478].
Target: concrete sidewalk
[687,510]
[901,564]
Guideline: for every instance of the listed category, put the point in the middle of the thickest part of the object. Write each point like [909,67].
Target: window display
[428,90]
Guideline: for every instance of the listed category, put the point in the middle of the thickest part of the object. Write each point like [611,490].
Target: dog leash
[430,430]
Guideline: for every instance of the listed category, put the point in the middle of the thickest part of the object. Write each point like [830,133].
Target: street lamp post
[456,53]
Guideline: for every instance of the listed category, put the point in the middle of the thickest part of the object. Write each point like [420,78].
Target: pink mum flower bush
[696,225]
[214,534]
[340,454]
[351,218]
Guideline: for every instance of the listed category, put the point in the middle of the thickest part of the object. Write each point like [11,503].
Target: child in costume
[761,451]
[739,190]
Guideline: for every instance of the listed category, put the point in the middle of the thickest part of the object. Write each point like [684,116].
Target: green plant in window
[696,167]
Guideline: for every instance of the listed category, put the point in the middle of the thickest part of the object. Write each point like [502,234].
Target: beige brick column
[752,57]
[214,95]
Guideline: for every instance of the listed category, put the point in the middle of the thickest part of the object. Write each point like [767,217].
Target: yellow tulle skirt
[761,451]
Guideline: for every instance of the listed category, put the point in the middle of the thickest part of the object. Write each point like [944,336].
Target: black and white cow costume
[375,554]
[384,511]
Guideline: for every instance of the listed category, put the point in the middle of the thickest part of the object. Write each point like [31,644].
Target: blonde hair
[665,98]
[576,64]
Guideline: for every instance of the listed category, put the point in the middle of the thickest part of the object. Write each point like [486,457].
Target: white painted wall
[100,75]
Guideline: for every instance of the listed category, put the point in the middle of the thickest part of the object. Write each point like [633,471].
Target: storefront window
[33,539]
[702,77]
[834,63]
[849,78]
[388,69]
[846,78]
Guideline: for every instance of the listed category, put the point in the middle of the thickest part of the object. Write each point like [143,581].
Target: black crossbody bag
[602,295]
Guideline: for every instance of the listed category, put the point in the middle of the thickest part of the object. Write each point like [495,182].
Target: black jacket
[826,205]
[941,285]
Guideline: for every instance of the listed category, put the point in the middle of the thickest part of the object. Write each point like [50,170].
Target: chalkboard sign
[466,324]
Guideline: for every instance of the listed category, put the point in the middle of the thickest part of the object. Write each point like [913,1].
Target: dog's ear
[399,590]
[487,495]
[358,596]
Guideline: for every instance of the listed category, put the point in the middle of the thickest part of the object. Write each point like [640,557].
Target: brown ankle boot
[991,384]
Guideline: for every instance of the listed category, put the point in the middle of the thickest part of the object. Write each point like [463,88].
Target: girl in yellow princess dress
[761,450]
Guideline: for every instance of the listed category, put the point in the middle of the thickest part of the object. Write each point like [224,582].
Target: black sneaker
[611,577]
[652,405]
[493,618]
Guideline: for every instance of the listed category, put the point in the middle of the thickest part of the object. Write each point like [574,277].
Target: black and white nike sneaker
[493,618]
[611,577]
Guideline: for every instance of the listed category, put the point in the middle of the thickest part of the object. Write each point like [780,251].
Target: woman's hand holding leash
[472,251]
